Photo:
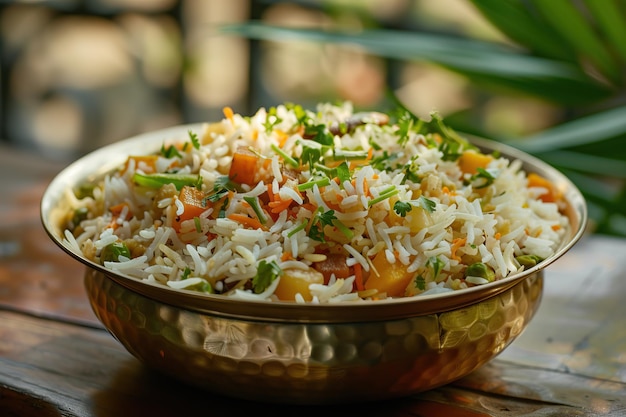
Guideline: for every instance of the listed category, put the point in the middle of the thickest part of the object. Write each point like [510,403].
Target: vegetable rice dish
[318,206]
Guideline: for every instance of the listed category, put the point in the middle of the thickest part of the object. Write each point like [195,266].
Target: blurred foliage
[565,52]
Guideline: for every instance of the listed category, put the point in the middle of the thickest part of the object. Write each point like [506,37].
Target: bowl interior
[55,203]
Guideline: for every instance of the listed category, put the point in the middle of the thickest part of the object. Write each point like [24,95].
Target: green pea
[84,191]
[481,270]
[528,260]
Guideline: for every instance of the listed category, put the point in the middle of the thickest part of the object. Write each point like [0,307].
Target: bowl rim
[394,308]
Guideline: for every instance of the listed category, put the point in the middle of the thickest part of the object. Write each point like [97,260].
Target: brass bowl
[306,353]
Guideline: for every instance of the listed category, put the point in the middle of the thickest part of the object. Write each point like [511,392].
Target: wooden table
[57,360]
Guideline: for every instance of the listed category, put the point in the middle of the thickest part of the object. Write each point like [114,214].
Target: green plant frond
[611,21]
[574,29]
[582,131]
[514,20]
[594,188]
[486,63]
[586,163]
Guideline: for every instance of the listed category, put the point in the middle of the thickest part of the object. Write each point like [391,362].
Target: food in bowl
[318,206]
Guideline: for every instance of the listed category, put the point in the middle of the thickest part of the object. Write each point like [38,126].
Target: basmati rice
[352,202]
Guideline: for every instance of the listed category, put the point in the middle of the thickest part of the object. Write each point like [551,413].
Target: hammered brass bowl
[305,353]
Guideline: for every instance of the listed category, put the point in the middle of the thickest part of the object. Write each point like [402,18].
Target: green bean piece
[113,252]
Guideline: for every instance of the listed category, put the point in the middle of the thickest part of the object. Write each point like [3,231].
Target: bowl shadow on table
[136,388]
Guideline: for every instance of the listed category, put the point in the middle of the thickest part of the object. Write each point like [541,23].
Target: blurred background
[546,76]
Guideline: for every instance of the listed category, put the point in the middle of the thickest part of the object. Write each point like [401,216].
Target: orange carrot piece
[194,205]
[282,137]
[147,163]
[228,113]
[246,221]
[358,277]
[334,264]
[552,195]
[243,167]
[116,211]
[277,206]
[456,244]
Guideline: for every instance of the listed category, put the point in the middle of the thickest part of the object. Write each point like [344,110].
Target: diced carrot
[556,227]
[116,211]
[246,221]
[228,113]
[333,264]
[389,278]
[358,277]
[244,166]
[194,204]
[282,137]
[270,192]
[552,194]
[309,206]
[277,206]
[456,244]
[286,256]
[470,161]
[147,163]
[332,206]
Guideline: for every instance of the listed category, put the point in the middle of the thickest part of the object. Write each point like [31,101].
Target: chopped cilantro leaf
[194,139]
[271,120]
[436,264]
[266,273]
[426,204]
[402,208]
[321,219]
[170,151]
[487,177]
[420,283]
[319,134]
[343,172]
[186,273]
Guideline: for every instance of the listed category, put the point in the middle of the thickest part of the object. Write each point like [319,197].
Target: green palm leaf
[570,23]
[488,64]
[582,131]
[514,20]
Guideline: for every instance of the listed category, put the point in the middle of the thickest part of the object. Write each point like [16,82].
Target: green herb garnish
[170,151]
[436,264]
[420,282]
[113,251]
[384,195]
[402,208]
[256,207]
[487,177]
[266,273]
[195,142]
[321,219]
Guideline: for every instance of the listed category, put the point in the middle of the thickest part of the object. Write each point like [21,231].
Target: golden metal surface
[313,362]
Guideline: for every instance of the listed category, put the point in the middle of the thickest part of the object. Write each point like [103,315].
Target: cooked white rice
[405,215]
